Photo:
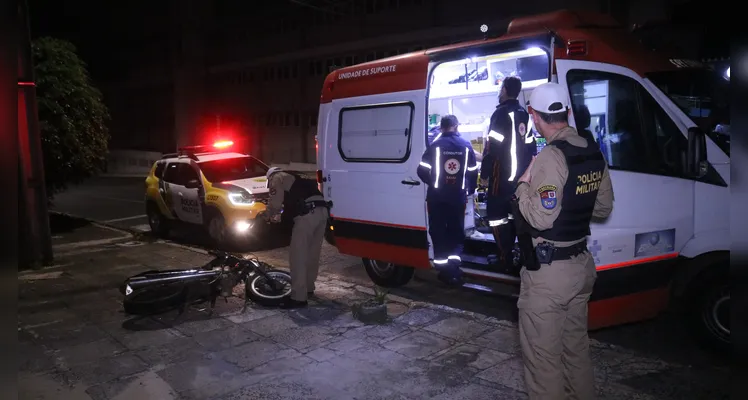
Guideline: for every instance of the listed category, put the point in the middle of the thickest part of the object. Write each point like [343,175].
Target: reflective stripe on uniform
[423,164]
[498,222]
[513,149]
[464,170]
[496,136]
[529,138]
[438,163]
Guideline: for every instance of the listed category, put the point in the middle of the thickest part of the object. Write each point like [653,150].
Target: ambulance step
[494,276]
[474,259]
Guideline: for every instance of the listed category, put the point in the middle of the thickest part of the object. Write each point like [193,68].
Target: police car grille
[262,197]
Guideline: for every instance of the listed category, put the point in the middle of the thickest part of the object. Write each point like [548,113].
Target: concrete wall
[130,162]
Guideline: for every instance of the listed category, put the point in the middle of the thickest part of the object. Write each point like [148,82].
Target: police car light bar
[222,144]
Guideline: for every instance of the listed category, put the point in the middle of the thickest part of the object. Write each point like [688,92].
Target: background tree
[72,115]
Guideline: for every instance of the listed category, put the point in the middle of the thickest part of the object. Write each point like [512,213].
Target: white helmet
[273,170]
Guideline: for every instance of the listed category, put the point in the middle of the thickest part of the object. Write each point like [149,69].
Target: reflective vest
[586,167]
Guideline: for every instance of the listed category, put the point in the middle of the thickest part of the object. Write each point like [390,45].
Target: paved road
[119,201]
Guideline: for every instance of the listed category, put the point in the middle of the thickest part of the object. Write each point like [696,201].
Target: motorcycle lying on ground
[153,292]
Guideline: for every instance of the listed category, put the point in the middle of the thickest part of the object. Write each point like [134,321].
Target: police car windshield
[704,96]
[231,169]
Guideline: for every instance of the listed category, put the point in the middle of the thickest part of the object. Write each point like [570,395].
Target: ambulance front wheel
[386,274]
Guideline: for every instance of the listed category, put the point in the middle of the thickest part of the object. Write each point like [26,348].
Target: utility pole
[33,218]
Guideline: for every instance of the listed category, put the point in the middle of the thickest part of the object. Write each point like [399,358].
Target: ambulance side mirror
[698,165]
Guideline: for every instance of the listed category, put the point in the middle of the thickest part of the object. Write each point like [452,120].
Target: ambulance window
[615,117]
[378,133]
[669,146]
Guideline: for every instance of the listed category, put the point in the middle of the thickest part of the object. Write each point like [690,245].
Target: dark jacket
[449,169]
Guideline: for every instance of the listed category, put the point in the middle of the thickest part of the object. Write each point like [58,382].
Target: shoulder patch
[547,188]
[548,196]
[522,128]
[273,191]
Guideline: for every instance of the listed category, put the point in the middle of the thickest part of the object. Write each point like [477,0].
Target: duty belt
[310,206]
[566,253]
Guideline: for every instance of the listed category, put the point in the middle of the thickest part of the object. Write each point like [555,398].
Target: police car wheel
[217,230]
[158,223]
[387,274]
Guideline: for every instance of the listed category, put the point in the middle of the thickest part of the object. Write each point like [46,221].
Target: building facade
[255,74]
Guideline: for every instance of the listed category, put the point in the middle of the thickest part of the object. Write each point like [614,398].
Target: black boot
[289,303]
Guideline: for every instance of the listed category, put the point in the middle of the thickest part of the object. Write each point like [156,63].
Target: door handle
[411,183]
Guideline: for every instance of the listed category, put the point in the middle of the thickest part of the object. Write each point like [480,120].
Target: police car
[208,186]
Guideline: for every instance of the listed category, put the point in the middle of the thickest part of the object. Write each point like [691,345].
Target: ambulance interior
[469,90]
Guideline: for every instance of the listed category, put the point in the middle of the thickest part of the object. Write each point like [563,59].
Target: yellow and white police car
[209,186]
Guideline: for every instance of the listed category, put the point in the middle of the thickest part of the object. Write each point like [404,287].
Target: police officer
[564,187]
[300,200]
[449,169]
[511,146]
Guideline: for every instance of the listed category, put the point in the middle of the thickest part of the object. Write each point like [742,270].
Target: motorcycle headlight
[241,199]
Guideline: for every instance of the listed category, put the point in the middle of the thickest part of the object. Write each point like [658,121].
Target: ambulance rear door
[373,146]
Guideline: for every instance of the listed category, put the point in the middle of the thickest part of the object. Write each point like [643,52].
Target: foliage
[380,295]
[72,115]
[370,310]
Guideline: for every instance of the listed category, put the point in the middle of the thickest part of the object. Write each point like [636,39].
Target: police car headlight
[128,290]
[241,199]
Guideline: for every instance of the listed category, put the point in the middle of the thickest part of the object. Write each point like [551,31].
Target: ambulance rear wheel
[386,274]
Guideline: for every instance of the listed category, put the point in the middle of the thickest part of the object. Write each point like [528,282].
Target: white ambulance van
[667,240]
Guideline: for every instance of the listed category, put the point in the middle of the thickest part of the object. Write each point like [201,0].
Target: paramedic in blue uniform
[511,146]
[449,169]
[562,190]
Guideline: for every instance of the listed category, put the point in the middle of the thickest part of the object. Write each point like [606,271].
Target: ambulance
[666,243]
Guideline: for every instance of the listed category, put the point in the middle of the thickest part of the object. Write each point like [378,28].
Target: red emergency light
[222,144]
[576,48]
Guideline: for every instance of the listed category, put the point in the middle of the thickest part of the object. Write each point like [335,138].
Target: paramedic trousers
[553,329]
[447,230]
[306,244]
[501,221]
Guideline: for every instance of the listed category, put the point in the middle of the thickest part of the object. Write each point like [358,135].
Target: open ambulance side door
[652,219]
[373,146]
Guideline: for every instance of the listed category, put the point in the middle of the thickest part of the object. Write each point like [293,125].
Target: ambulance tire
[159,224]
[388,275]
[708,312]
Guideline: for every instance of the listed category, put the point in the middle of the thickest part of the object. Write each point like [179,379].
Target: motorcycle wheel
[154,300]
[259,290]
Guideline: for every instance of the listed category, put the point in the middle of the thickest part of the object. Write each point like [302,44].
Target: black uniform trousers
[447,230]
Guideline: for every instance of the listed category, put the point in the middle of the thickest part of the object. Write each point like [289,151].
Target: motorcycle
[157,291]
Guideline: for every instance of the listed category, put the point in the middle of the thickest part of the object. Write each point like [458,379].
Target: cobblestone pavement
[75,343]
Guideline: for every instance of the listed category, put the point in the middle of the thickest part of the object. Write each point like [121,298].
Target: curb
[98,223]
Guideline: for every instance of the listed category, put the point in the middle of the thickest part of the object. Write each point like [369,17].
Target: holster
[309,206]
[528,256]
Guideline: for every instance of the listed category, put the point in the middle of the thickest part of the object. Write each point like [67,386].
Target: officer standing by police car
[511,146]
[564,187]
[300,199]
[449,169]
